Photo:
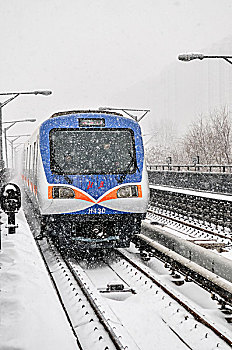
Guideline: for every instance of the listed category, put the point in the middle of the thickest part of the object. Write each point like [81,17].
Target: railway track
[175,294]
[192,229]
[87,299]
[92,322]
[105,315]
[211,211]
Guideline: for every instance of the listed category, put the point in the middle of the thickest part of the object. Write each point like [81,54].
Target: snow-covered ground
[31,317]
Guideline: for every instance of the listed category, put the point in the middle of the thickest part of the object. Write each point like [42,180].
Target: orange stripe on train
[113,194]
[108,196]
[85,197]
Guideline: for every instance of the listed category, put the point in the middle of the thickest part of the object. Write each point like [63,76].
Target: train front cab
[110,193]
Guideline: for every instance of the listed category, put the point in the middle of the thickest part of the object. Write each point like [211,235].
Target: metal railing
[209,168]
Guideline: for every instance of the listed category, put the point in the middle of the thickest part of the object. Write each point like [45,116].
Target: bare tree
[210,138]
[221,124]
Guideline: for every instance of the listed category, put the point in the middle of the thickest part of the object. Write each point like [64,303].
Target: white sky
[91,53]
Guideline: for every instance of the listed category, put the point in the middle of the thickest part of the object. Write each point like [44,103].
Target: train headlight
[62,192]
[127,191]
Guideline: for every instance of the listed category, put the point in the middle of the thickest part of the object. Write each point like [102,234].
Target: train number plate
[96,211]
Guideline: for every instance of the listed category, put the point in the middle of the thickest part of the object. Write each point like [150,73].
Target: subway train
[85,175]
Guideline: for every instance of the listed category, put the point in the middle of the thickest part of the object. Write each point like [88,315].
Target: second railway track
[192,230]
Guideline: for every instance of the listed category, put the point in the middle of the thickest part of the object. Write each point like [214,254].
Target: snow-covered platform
[30,314]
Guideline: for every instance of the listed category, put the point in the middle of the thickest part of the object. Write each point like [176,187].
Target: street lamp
[37,92]
[186,57]
[14,95]
[13,122]
[15,138]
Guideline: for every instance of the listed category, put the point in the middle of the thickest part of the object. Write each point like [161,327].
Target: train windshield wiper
[67,178]
[127,170]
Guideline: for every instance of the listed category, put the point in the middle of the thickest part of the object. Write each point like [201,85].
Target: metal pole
[12,147]
[1,153]
[0,231]
[12,154]
[6,147]
[13,122]
[1,169]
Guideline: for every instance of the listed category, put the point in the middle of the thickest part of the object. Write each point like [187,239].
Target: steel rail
[196,315]
[189,225]
[59,295]
[117,343]
[87,293]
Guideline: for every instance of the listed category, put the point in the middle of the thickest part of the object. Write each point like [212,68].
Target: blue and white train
[85,174]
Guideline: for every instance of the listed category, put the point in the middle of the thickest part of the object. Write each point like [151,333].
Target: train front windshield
[96,151]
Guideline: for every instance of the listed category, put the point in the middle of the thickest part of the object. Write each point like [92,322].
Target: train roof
[58,114]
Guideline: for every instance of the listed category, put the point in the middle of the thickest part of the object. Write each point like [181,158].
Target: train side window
[29,165]
[36,161]
[26,159]
[33,164]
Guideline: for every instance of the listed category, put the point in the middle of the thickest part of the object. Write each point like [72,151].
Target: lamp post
[186,57]
[13,122]
[15,138]
[14,95]
[17,145]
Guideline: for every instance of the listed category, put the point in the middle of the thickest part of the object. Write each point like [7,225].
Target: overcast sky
[91,53]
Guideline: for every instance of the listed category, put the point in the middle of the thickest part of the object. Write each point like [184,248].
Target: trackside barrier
[202,181]
[209,260]
[210,168]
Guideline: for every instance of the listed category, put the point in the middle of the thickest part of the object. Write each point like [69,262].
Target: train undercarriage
[85,231]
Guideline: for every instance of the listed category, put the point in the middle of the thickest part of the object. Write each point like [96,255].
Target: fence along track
[213,211]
